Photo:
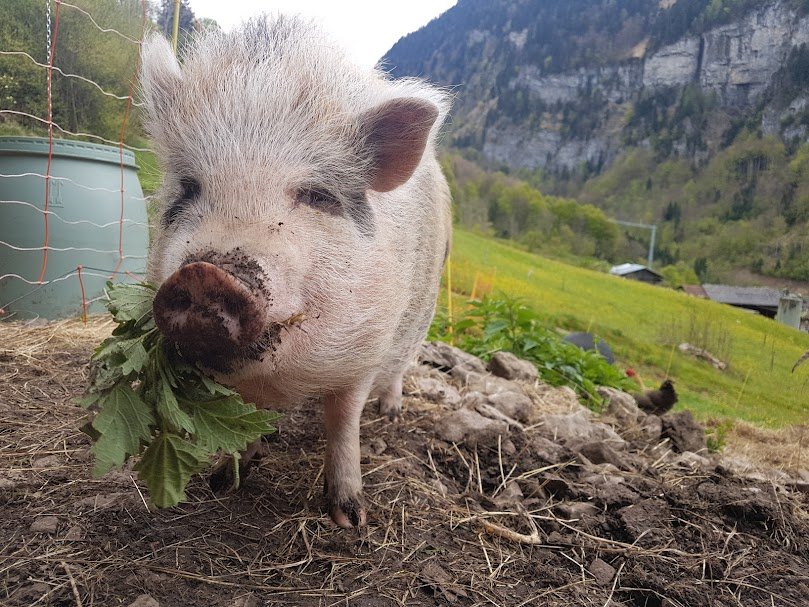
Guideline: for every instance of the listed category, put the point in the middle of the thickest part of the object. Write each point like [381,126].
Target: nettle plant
[501,322]
[148,403]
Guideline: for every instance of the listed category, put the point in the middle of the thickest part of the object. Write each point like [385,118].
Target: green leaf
[123,422]
[230,424]
[167,466]
[103,376]
[130,302]
[128,354]
[88,400]
[169,409]
[214,387]
[135,355]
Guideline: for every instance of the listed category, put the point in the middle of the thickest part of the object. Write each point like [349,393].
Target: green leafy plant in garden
[503,322]
[148,404]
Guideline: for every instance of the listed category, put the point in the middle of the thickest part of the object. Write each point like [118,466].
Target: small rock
[468,376]
[508,366]
[598,452]
[602,571]
[470,427]
[49,461]
[651,428]
[378,446]
[102,501]
[621,406]
[486,383]
[578,426]
[692,460]
[8,484]
[45,524]
[73,534]
[472,399]
[684,432]
[511,495]
[375,446]
[549,451]
[443,356]
[31,593]
[576,510]
[144,600]
[248,600]
[514,404]
[555,538]
[436,390]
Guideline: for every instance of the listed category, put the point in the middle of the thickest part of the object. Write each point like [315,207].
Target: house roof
[695,290]
[761,297]
[630,268]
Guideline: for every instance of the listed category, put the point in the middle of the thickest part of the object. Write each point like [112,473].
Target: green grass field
[644,323]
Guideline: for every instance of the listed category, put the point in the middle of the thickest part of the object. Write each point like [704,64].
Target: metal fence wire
[21,284]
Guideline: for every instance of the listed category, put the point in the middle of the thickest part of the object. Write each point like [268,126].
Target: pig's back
[417,228]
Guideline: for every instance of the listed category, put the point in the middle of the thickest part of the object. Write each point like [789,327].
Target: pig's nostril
[178,301]
[231,304]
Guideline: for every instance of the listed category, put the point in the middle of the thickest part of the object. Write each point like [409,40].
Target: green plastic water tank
[84,226]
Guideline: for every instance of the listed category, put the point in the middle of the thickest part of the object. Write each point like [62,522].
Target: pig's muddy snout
[214,317]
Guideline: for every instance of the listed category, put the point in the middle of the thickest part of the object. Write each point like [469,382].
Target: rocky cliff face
[522,108]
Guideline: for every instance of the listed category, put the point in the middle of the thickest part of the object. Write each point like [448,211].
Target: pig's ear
[160,73]
[396,132]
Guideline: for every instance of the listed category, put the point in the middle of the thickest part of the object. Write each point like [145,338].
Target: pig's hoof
[391,407]
[347,512]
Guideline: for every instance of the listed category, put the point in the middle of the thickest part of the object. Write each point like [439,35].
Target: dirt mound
[489,491]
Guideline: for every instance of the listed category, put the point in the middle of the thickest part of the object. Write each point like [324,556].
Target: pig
[302,225]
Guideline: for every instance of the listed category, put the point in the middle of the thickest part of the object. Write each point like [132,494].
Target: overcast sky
[366,28]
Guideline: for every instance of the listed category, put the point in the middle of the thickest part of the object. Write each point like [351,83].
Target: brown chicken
[657,402]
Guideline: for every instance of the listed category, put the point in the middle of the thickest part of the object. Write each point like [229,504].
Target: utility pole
[652,227]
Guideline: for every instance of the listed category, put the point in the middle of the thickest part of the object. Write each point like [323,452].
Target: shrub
[503,322]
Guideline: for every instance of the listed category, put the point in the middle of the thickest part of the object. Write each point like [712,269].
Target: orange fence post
[83,296]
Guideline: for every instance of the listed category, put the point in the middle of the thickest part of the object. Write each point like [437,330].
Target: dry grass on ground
[442,528]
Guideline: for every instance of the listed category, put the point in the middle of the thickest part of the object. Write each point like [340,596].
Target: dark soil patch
[446,524]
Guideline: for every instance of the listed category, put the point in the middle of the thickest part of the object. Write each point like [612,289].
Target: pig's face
[266,218]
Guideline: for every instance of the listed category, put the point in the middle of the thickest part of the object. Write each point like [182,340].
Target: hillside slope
[645,324]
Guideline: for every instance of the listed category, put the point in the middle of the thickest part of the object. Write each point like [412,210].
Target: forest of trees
[107,58]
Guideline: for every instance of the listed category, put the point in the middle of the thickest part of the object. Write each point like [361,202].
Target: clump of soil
[488,491]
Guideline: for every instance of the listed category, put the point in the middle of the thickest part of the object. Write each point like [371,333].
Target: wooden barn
[636,271]
[758,299]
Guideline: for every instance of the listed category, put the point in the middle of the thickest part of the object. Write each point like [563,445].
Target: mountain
[692,112]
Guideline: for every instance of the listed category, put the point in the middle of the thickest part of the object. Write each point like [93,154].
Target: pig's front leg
[343,478]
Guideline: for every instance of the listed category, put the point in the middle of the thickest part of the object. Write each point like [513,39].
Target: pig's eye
[317,198]
[190,191]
